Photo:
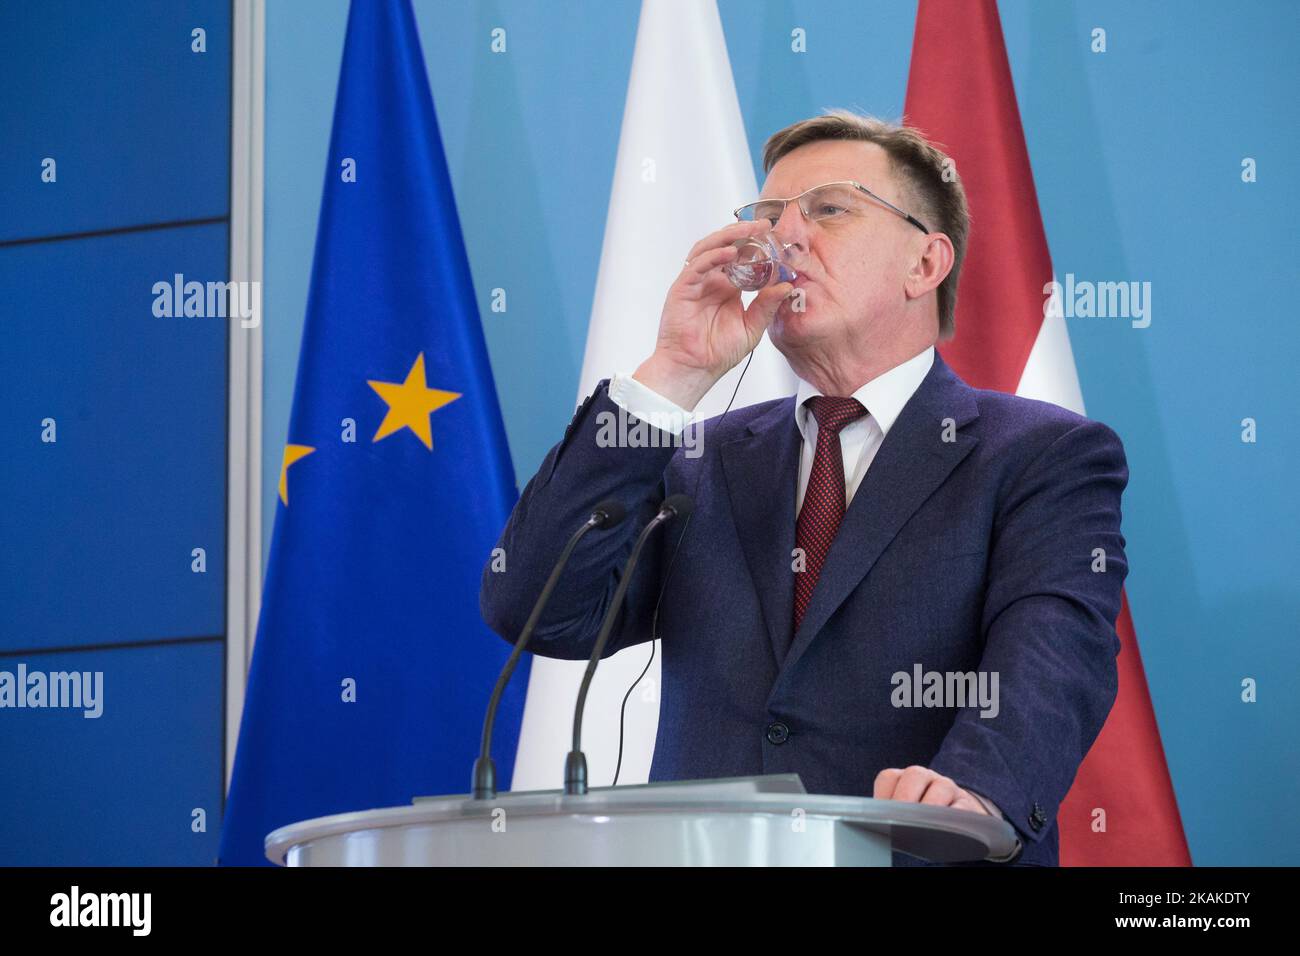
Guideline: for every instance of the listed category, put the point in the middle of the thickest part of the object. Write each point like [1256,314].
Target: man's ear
[931,265]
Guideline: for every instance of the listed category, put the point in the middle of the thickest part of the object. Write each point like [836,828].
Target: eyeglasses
[827,201]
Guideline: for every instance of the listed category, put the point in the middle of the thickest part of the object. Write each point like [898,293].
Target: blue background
[1137,162]
[97,529]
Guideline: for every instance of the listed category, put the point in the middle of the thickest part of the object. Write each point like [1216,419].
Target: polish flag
[959,93]
[683,165]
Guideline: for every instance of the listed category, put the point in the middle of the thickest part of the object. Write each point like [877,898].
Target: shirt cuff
[647,404]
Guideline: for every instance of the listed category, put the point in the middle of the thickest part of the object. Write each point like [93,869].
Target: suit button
[777,733]
[1037,818]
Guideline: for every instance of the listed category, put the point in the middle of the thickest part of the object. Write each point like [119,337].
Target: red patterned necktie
[823,501]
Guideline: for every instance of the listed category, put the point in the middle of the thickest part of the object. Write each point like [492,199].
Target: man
[884,524]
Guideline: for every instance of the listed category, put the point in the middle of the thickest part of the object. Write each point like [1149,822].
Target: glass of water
[763,261]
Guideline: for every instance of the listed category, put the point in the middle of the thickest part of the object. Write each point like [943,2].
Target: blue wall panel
[99,526]
[121,788]
[138,124]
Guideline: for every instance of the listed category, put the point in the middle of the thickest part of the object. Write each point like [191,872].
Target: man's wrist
[679,384]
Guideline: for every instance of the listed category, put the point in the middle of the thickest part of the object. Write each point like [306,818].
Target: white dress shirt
[883,397]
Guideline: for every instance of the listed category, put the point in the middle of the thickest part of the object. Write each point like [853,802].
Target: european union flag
[372,666]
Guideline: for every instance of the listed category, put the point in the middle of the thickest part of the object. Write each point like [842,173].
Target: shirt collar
[883,397]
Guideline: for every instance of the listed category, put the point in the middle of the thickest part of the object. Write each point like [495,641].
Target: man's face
[852,268]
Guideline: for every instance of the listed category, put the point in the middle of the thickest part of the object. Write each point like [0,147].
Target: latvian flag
[959,94]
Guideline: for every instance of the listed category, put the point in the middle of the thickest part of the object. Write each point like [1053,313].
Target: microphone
[608,514]
[575,764]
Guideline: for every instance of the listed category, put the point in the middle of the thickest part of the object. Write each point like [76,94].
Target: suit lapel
[910,464]
[761,471]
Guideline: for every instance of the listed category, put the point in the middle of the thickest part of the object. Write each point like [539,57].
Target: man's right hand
[704,330]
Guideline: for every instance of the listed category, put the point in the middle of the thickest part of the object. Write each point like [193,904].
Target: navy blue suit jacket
[970,545]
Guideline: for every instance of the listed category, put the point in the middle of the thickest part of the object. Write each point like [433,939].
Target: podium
[743,821]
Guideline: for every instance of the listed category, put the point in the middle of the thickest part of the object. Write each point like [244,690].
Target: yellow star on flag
[292,453]
[410,404]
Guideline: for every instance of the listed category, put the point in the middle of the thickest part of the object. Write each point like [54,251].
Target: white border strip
[244,480]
